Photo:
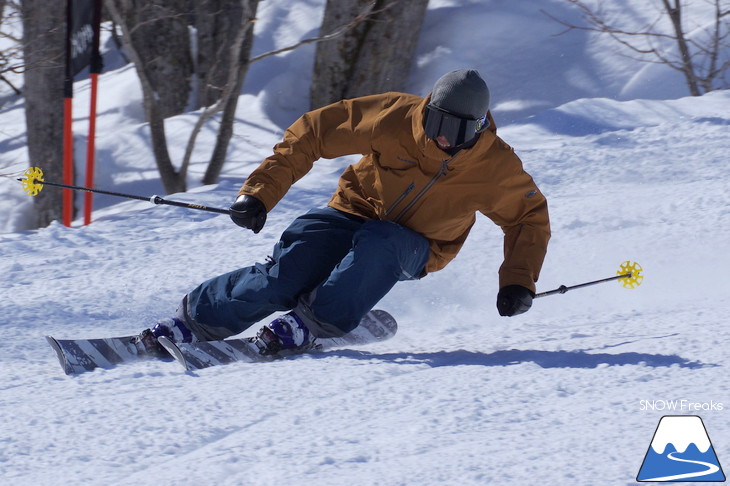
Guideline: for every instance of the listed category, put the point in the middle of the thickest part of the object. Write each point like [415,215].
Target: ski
[81,355]
[377,325]
[78,356]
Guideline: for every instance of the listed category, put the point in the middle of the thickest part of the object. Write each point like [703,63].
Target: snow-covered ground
[460,396]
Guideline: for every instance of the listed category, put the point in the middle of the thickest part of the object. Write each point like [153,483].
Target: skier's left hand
[513,300]
[248,212]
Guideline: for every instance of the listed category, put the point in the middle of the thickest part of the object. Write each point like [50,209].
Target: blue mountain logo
[681,451]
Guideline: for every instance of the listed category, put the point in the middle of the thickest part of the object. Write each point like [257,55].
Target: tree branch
[231,83]
[238,69]
[362,17]
[12,86]
[696,56]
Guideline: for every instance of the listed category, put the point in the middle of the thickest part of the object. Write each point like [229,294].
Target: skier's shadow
[544,359]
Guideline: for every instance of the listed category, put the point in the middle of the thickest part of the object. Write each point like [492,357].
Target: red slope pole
[68,136]
[68,160]
[94,70]
[90,150]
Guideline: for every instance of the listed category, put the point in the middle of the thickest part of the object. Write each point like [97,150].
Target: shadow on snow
[544,359]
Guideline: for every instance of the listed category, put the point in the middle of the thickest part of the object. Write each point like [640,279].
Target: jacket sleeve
[342,128]
[522,212]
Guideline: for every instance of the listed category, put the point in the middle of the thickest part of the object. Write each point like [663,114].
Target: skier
[404,210]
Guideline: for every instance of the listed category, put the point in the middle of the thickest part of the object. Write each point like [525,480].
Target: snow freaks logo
[681,406]
[680,451]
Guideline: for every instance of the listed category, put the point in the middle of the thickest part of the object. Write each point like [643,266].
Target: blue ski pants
[331,267]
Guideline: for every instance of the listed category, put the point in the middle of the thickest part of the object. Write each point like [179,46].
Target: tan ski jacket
[404,177]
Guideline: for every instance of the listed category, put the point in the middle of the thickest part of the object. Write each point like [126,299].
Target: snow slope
[559,395]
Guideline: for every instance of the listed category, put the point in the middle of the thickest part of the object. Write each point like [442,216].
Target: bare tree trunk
[43,40]
[216,22]
[333,61]
[373,57]
[220,23]
[234,62]
[674,11]
[158,30]
[388,48]
[225,133]
[239,67]
[720,32]
[172,180]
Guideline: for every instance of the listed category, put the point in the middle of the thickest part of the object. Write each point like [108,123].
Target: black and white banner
[83,28]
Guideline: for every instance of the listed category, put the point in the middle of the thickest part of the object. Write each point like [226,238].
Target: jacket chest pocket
[397,163]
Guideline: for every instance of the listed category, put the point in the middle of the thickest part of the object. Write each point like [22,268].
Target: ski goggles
[456,129]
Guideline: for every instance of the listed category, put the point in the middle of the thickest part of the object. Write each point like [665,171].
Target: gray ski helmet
[458,107]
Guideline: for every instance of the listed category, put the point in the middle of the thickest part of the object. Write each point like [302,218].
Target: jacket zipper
[423,191]
[400,198]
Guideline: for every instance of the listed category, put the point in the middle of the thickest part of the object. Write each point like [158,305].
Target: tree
[146,31]
[44,32]
[229,96]
[231,55]
[697,53]
[222,66]
[223,80]
[11,57]
[159,34]
[373,57]
[216,25]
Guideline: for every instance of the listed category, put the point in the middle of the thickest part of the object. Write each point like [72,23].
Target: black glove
[513,300]
[248,212]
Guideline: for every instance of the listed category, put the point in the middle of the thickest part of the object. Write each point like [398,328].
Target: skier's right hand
[248,212]
[514,300]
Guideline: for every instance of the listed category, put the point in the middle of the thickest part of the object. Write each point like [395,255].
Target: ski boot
[287,332]
[172,328]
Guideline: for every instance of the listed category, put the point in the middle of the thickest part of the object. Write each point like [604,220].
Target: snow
[460,396]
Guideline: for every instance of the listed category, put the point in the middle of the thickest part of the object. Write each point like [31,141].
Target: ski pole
[33,183]
[629,272]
